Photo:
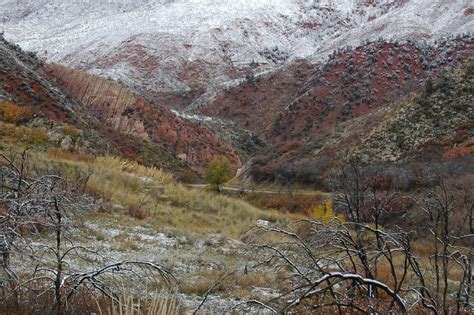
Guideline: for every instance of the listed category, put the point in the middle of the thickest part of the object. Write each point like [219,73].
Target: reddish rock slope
[305,102]
[124,111]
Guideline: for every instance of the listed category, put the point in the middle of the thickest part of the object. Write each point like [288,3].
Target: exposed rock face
[107,116]
[125,111]
[67,143]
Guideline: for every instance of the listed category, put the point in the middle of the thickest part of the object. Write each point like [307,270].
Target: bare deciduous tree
[448,212]
[357,264]
[48,203]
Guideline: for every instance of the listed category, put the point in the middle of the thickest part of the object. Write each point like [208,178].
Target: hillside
[26,90]
[432,126]
[236,157]
[123,110]
[147,44]
[107,117]
[301,108]
[278,78]
[435,125]
[303,100]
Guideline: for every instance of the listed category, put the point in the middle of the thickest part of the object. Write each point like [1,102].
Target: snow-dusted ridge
[181,44]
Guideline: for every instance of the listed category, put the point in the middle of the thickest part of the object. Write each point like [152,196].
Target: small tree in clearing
[218,172]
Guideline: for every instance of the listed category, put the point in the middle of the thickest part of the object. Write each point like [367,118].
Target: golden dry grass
[154,194]
[164,303]
[22,136]
[132,167]
[228,284]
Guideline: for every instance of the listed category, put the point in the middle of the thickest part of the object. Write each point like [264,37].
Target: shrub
[290,146]
[137,212]
[14,114]
[457,152]
[429,88]
[187,177]
[293,203]
[71,131]
[324,211]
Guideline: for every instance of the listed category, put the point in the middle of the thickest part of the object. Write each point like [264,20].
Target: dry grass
[31,302]
[207,212]
[159,199]
[84,302]
[228,284]
[161,304]
[60,154]
[22,136]
[134,168]
[71,131]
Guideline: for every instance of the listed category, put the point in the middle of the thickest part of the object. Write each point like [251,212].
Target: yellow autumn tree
[218,172]
[325,211]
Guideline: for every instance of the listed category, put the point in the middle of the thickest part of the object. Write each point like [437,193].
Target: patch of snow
[263,223]
[192,116]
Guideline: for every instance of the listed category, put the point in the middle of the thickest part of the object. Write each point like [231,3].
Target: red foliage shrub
[382,181]
[458,152]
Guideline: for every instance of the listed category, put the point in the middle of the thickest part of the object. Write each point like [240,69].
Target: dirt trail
[250,190]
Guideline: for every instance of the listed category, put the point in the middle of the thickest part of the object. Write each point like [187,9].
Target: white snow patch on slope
[175,44]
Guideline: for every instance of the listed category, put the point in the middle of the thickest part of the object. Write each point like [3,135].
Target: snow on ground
[157,43]
[192,117]
[120,238]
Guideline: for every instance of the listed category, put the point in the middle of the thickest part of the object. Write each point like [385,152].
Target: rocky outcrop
[108,117]
[125,111]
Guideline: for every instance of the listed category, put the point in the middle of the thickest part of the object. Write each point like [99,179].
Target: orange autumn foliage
[14,114]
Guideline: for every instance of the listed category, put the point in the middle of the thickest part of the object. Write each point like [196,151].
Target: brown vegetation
[14,114]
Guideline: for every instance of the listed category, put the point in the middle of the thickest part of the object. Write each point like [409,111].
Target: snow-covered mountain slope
[415,19]
[188,44]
